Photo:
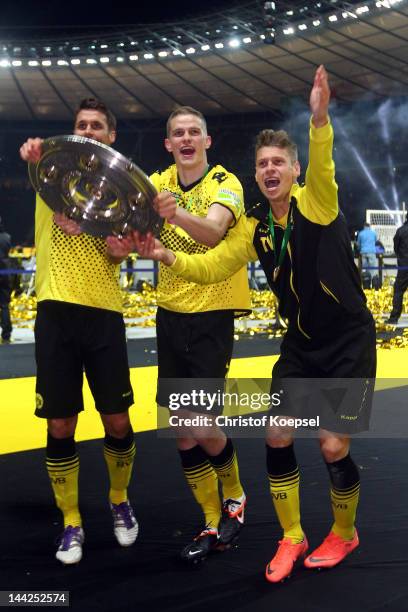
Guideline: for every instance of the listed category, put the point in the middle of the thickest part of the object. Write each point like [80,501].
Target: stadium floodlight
[269,21]
[104,60]
[234,43]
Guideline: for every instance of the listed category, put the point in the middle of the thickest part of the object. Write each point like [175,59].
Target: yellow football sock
[344,504]
[283,475]
[344,494]
[63,475]
[226,466]
[119,455]
[202,479]
[63,469]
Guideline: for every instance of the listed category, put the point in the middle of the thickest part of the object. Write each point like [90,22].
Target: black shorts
[333,378]
[194,354]
[71,339]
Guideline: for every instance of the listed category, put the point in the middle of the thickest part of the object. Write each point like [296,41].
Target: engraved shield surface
[91,183]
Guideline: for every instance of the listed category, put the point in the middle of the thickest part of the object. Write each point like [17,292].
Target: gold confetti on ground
[140,310]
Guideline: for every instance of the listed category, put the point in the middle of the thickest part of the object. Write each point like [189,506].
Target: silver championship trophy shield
[94,185]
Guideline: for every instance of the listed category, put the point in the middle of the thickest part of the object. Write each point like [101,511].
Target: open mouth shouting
[187,152]
[271,183]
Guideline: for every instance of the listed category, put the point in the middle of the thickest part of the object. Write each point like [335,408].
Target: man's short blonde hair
[280,139]
[186,110]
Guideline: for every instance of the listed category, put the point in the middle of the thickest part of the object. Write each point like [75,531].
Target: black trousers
[400,286]
[5,321]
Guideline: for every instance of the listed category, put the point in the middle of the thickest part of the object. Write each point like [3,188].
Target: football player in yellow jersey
[79,326]
[302,242]
[195,324]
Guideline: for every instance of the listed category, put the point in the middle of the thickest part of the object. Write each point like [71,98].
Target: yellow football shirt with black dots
[217,186]
[73,269]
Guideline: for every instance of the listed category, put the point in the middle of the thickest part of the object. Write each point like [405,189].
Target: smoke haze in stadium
[371,160]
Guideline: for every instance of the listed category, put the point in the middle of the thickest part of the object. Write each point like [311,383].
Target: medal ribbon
[285,240]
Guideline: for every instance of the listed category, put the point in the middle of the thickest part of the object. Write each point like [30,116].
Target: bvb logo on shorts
[39,401]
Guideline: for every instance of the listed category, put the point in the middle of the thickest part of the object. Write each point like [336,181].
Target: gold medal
[275,273]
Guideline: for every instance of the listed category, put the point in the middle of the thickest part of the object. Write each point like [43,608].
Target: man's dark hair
[98,105]
[278,138]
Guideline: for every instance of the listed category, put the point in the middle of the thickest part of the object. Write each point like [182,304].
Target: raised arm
[319,202]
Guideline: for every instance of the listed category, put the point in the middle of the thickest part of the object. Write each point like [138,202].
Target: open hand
[320,97]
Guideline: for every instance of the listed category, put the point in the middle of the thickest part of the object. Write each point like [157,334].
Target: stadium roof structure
[251,57]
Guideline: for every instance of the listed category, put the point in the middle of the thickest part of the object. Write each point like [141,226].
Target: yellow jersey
[217,186]
[73,269]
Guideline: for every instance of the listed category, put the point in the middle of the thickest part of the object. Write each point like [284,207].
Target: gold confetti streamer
[139,309]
